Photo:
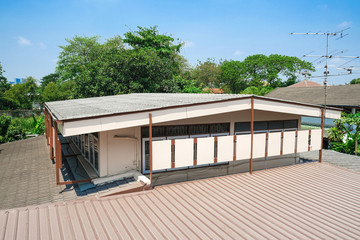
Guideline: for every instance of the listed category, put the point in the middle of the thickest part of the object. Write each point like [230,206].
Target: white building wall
[120,151]
[123,153]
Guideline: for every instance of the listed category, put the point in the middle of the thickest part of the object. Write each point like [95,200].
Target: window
[290,124]
[220,128]
[258,126]
[265,126]
[276,125]
[156,132]
[177,130]
[199,129]
[242,127]
[89,147]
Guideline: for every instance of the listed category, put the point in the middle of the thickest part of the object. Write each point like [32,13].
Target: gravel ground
[340,159]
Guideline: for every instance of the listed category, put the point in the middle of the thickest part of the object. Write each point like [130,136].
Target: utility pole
[340,35]
[327,56]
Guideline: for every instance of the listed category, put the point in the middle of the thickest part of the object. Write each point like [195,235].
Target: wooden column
[322,134]
[51,138]
[252,134]
[46,126]
[57,153]
[150,147]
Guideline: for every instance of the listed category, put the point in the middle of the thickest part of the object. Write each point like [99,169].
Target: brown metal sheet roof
[306,201]
[344,95]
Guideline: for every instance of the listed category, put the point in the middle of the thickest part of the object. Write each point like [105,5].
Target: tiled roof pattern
[306,201]
[27,176]
[306,83]
[344,95]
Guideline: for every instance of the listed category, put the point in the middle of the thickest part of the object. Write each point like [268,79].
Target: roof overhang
[132,119]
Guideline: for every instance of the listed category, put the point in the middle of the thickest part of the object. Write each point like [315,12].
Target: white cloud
[345,24]
[42,45]
[238,53]
[188,44]
[23,41]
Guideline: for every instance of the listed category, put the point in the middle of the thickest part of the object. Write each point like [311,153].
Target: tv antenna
[340,34]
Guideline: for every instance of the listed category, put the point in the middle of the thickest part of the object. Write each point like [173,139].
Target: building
[306,83]
[174,135]
[346,97]
[18,81]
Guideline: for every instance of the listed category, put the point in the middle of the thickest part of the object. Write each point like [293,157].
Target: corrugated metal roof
[344,95]
[307,201]
[99,106]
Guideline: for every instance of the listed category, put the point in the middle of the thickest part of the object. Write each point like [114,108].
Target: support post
[150,147]
[252,135]
[57,154]
[46,127]
[322,134]
[51,139]
[234,152]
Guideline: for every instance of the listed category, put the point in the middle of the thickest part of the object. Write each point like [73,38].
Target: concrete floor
[27,176]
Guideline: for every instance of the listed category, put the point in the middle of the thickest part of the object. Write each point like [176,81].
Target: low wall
[21,113]
[232,167]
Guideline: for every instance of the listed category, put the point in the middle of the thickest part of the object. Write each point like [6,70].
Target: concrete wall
[120,151]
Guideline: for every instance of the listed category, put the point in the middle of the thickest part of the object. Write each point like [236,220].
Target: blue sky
[32,31]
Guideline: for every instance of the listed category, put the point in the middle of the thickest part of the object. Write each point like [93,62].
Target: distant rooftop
[337,96]
[306,83]
[126,103]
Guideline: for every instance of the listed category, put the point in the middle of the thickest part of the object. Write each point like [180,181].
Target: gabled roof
[305,201]
[343,95]
[306,83]
[140,102]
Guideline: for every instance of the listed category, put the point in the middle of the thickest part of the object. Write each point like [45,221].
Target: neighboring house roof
[214,90]
[343,95]
[305,201]
[306,83]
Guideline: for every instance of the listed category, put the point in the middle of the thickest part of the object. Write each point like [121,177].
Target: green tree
[355,81]
[50,78]
[207,73]
[23,95]
[150,38]
[342,126]
[52,92]
[4,84]
[232,76]
[100,69]
[260,91]
[9,131]
[273,70]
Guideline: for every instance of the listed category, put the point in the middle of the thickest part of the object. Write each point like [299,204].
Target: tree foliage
[274,70]
[23,95]
[355,81]
[4,84]
[207,73]
[109,68]
[343,130]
